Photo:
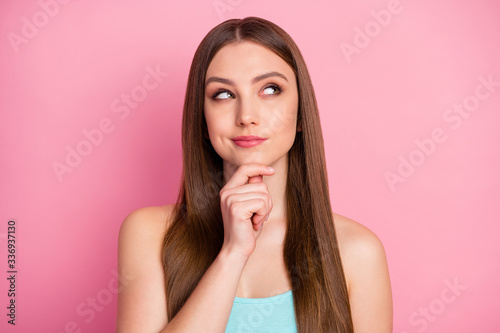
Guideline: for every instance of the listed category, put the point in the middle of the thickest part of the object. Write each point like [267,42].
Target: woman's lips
[248,141]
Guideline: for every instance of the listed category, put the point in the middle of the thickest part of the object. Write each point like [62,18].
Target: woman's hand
[245,205]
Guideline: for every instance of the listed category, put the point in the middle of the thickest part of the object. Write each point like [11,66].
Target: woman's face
[249,90]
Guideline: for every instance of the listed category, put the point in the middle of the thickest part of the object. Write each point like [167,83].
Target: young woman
[251,244]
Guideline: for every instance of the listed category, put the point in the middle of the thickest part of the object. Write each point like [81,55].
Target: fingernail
[270,169]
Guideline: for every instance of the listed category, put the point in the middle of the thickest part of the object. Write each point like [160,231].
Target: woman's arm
[367,274]
[142,302]
[141,293]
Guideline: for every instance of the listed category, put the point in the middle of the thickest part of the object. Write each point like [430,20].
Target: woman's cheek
[279,119]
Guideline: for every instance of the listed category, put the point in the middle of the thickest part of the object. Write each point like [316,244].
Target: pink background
[68,73]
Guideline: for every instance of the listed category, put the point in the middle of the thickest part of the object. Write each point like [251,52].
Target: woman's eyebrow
[254,80]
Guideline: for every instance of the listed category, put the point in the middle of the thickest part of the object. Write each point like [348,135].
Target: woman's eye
[223,95]
[271,90]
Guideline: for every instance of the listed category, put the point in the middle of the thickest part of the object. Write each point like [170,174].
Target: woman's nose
[247,113]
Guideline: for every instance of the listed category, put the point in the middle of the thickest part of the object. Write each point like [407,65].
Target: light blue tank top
[263,315]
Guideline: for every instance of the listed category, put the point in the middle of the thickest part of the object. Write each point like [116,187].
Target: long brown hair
[196,232]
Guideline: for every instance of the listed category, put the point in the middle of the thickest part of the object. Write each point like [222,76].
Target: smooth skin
[252,92]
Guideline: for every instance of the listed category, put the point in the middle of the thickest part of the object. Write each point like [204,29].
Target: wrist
[232,257]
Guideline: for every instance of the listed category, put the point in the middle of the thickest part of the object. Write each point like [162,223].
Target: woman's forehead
[246,60]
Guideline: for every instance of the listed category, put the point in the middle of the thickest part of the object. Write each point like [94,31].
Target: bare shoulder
[367,275]
[355,239]
[142,300]
[358,246]
[148,220]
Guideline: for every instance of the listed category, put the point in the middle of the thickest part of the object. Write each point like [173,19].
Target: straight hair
[195,235]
